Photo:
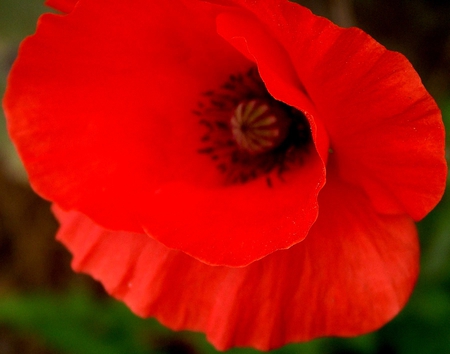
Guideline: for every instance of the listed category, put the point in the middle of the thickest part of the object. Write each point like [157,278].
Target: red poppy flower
[241,168]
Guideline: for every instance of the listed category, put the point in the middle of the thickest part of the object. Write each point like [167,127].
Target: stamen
[248,134]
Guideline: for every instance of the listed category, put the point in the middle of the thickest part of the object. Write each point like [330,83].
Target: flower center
[257,127]
[249,134]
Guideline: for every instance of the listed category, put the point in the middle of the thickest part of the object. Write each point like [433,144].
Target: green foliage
[76,323]
[18,18]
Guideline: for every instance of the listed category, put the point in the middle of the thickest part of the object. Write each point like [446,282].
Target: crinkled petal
[384,128]
[352,274]
[105,126]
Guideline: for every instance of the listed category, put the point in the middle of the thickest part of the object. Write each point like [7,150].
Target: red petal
[389,136]
[385,129]
[65,6]
[352,274]
[277,71]
[101,120]
[105,126]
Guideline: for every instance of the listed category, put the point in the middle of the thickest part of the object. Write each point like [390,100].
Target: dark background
[46,308]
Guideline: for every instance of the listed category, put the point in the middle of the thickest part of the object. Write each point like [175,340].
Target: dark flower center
[257,127]
[249,134]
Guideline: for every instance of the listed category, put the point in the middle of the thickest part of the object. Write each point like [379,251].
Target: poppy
[242,168]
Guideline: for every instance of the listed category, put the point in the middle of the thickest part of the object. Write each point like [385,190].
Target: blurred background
[46,308]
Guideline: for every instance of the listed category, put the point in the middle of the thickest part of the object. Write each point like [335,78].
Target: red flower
[241,168]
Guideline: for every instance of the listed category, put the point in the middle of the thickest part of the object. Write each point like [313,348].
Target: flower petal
[248,35]
[352,274]
[384,127]
[103,112]
[105,126]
